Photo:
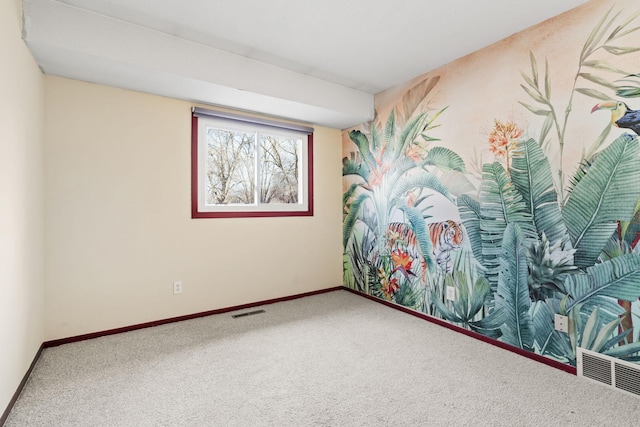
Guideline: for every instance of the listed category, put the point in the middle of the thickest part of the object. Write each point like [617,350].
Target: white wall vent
[608,370]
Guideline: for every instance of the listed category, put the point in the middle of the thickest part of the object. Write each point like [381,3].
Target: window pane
[230,174]
[242,168]
[280,159]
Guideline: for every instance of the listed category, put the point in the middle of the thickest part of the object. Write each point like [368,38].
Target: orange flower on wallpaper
[377,176]
[503,139]
[379,169]
[389,287]
[402,260]
[416,153]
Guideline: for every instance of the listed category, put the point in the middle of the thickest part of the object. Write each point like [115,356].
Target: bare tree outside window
[234,161]
[279,166]
[230,167]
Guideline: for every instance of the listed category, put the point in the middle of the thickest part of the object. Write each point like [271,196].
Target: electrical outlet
[451,293]
[561,323]
[177,287]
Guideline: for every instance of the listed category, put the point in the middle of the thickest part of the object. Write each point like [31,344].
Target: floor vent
[608,370]
[248,313]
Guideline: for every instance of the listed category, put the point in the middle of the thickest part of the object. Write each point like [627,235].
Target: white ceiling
[317,61]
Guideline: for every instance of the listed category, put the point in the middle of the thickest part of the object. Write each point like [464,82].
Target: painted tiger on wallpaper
[400,236]
[445,236]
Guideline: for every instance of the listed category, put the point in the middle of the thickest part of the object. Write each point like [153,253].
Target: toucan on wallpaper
[511,175]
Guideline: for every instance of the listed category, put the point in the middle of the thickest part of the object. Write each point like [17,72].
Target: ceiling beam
[71,42]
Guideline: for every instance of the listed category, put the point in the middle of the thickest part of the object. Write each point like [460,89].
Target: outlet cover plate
[177,287]
[451,293]
[561,323]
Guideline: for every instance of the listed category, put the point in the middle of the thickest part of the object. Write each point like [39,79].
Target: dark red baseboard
[538,358]
[92,335]
[12,402]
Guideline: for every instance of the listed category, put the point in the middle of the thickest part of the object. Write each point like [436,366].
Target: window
[247,167]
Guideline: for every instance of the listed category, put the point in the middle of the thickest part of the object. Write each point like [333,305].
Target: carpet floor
[334,359]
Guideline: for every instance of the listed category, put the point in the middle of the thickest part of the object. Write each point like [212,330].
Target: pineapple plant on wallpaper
[517,234]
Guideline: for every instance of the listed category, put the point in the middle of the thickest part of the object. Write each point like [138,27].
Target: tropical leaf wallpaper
[510,181]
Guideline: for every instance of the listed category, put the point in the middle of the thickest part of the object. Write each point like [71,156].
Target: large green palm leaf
[470,214]
[390,129]
[414,128]
[415,96]
[617,278]
[548,341]
[608,192]
[500,205]
[410,132]
[418,179]
[421,231]
[362,142]
[444,158]
[351,218]
[513,292]
[531,174]
[354,166]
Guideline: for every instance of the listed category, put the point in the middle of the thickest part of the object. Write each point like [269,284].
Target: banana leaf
[548,341]
[531,175]
[410,132]
[617,278]
[390,128]
[513,292]
[352,216]
[401,167]
[609,307]
[413,129]
[444,158]
[390,141]
[420,229]
[470,214]
[608,192]
[361,140]
[581,171]
[347,195]
[629,230]
[458,183]
[355,166]
[418,179]
[415,96]
[500,205]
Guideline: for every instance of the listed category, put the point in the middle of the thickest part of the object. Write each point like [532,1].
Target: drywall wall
[118,221]
[21,204]
[494,192]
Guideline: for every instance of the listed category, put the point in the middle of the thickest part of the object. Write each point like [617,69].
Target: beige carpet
[333,359]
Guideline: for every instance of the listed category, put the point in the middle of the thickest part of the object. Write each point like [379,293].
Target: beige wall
[118,225]
[485,85]
[21,204]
